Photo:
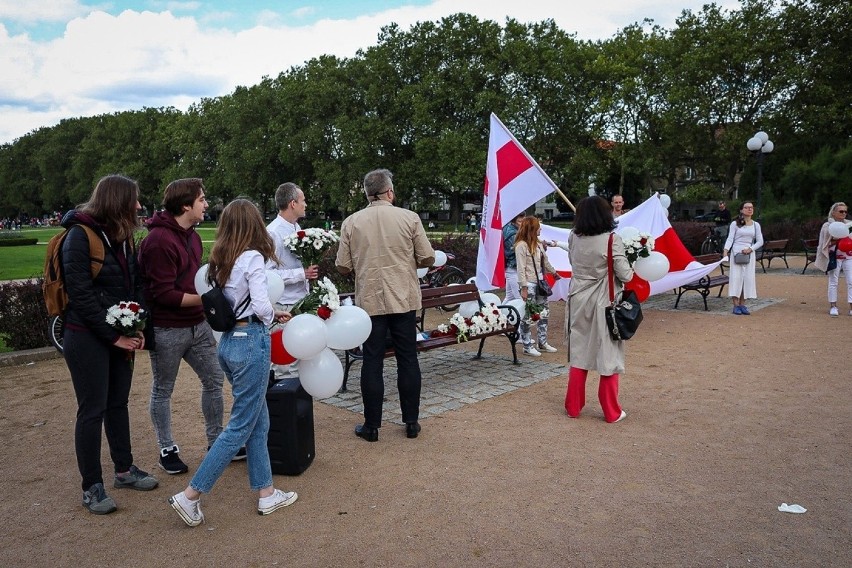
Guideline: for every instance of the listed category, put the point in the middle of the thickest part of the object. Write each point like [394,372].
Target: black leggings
[101,375]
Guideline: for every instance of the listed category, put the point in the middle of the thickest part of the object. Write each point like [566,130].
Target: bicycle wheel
[708,246]
[451,275]
[54,331]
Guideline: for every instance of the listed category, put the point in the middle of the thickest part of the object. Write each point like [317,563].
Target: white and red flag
[649,217]
[513,182]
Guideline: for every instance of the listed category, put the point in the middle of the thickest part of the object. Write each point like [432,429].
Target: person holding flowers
[296,274]
[838,213]
[237,264]
[103,323]
[586,335]
[532,265]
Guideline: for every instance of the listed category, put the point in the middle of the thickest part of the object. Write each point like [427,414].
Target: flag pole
[568,201]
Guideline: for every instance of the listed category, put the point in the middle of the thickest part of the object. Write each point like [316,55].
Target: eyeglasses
[842,211]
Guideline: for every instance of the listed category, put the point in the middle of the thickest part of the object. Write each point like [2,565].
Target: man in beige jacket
[385,245]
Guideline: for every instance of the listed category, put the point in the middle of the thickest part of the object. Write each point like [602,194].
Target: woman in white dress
[744,237]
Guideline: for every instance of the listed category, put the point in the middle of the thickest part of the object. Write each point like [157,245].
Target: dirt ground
[729,416]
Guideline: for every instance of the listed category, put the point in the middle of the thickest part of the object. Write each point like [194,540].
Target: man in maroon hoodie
[169,257]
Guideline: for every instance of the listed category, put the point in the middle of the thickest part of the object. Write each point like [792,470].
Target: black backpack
[218,311]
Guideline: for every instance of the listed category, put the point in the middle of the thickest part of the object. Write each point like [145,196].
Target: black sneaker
[170,461]
[97,501]
[241,454]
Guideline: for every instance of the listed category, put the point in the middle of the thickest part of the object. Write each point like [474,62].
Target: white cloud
[40,11]
[107,63]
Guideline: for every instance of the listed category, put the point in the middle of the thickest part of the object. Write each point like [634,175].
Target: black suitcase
[291,427]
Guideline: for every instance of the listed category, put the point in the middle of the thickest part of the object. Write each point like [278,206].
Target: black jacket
[118,280]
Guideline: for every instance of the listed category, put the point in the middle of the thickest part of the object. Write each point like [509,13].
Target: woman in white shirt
[744,237]
[238,265]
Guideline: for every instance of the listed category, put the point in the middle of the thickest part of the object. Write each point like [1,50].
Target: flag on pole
[513,182]
[649,217]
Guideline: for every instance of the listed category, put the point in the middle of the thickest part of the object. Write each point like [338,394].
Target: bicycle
[714,243]
[54,331]
[443,275]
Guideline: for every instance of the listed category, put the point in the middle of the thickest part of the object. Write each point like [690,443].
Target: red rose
[324,312]
[134,307]
[301,234]
[535,317]
[643,241]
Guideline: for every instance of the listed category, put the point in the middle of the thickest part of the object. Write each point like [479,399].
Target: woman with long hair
[838,213]
[237,264]
[590,346]
[532,264]
[99,358]
[744,237]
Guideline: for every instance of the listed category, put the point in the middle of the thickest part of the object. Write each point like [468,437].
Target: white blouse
[249,277]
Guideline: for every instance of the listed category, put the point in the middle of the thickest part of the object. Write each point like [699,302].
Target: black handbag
[624,316]
[218,311]
[542,287]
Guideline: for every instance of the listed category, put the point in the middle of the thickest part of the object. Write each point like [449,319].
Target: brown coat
[526,272]
[589,344]
[384,245]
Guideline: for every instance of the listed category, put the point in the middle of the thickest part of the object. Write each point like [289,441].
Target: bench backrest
[449,295]
[778,245]
[810,243]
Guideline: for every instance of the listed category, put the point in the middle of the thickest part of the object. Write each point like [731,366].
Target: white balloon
[201,285]
[628,232]
[838,230]
[467,309]
[490,298]
[440,258]
[275,285]
[348,327]
[652,267]
[305,336]
[665,200]
[321,376]
[421,272]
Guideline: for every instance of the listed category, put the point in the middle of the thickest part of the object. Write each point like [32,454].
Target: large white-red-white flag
[649,217]
[513,182]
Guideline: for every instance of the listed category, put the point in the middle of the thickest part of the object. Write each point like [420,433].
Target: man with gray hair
[384,246]
[290,200]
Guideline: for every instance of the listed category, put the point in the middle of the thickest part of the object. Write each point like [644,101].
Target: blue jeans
[196,346]
[244,355]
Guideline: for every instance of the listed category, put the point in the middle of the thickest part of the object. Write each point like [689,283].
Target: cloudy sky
[69,58]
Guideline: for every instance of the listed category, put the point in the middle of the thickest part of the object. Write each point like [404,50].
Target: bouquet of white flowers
[127,318]
[310,245]
[639,246]
[322,300]
[489,318]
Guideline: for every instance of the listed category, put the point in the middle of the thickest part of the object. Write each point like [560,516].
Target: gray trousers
[198,348]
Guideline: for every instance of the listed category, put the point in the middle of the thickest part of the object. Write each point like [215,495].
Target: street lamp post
[760,144]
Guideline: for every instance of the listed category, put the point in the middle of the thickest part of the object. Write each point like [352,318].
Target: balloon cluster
[310,339]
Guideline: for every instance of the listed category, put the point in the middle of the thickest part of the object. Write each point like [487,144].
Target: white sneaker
[546,347]
[532,352]
[834,313]
[189,511]
[278,499]
[622,417]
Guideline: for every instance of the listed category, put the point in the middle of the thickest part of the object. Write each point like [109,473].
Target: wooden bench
[773,249]
[439,298]
[705,284]
[810,248]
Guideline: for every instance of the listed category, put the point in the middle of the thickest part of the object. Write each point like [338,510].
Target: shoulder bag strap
[535,268]
[611,276]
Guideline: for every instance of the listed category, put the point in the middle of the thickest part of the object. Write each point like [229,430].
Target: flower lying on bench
[488,319]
